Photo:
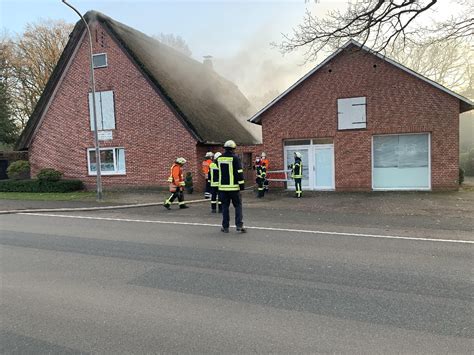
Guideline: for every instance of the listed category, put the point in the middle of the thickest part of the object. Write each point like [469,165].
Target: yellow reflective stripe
[241,182]
[229,188]
[240,171]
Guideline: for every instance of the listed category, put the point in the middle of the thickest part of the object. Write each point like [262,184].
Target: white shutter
[98,111]
[351,113]
[108,112]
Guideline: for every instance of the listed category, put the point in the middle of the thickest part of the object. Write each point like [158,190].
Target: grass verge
[48,196]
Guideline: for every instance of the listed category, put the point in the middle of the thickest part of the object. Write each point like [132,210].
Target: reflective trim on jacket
[297,170]
[231,174]
[213,175]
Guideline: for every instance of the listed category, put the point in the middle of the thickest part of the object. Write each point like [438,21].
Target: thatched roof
[211,107]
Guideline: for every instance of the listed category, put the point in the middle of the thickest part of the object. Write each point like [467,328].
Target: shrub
[49,174]
[461,176]
[18,170]
[40,186]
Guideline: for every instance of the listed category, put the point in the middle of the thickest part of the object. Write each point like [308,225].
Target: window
[104,103]
[401,161]
[112,161]
[351,113]
[99,60]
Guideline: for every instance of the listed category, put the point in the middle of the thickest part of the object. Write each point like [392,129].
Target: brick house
[153,104]
[364,122]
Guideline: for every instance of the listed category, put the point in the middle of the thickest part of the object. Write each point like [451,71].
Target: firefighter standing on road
[231,182]
[213,177]
[261,171]
[266,163]
[297,173]
[176,181]
[205,171]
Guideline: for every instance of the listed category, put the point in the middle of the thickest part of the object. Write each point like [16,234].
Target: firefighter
[261,174]
[176,184]
[213,177]
[231,182]
[205,171]
[265,162]
[297,173]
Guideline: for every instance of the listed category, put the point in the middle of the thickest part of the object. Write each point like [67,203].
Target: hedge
[40,186]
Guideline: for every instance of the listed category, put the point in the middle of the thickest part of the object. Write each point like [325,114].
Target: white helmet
[181,161]
[217,155]
[298,155]
[230,144]
[264,155]
[209,155]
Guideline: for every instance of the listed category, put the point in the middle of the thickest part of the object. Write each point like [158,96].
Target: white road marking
[252,227]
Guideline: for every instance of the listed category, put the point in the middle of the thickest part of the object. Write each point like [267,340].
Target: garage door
[401,162]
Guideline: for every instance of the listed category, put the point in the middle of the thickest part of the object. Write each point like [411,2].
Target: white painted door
[323,167]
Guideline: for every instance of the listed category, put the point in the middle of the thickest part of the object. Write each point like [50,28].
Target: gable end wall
[397,102]
[145,126]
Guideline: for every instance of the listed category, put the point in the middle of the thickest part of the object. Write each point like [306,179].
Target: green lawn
[48,196]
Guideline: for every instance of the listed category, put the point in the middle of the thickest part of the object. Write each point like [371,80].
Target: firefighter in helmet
[297,173]
[261,172]
[266,163]
[176,181]
[231,182]
[205,171]
[213,177]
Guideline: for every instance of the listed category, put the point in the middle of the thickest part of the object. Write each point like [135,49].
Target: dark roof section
[464,103]
[211,107]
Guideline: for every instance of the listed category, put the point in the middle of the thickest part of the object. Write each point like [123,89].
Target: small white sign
[105,135]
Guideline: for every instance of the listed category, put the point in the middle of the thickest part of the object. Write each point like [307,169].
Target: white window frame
[402,188]
[106,60]
[353,124]
[116,171]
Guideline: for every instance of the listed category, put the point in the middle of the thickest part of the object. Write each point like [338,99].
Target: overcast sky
[237,33]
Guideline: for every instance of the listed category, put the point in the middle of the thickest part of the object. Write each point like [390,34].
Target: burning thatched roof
[211,107]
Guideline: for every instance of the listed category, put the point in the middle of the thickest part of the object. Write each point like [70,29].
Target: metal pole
[96,135]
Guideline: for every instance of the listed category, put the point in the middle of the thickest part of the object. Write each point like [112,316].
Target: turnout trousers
[299,190]
[177,194]
[236,199]
[215,199]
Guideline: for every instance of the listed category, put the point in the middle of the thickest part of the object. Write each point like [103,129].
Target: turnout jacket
[213,175]
[297,169]
[176,179]
[231,174]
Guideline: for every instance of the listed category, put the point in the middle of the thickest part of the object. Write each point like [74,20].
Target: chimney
[207,61]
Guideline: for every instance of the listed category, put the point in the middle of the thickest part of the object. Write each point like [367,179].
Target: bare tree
[378,23]
[28,60]
[176,42]
[449,62]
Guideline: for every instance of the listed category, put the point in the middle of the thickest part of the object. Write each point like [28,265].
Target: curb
[95,208]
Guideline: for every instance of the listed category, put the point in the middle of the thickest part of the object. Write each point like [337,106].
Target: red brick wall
[397,102]
[145,126]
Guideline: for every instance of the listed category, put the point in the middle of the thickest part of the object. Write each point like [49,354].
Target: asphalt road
[141,281]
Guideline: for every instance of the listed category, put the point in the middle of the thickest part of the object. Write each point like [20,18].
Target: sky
[237,33]
[217,28]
